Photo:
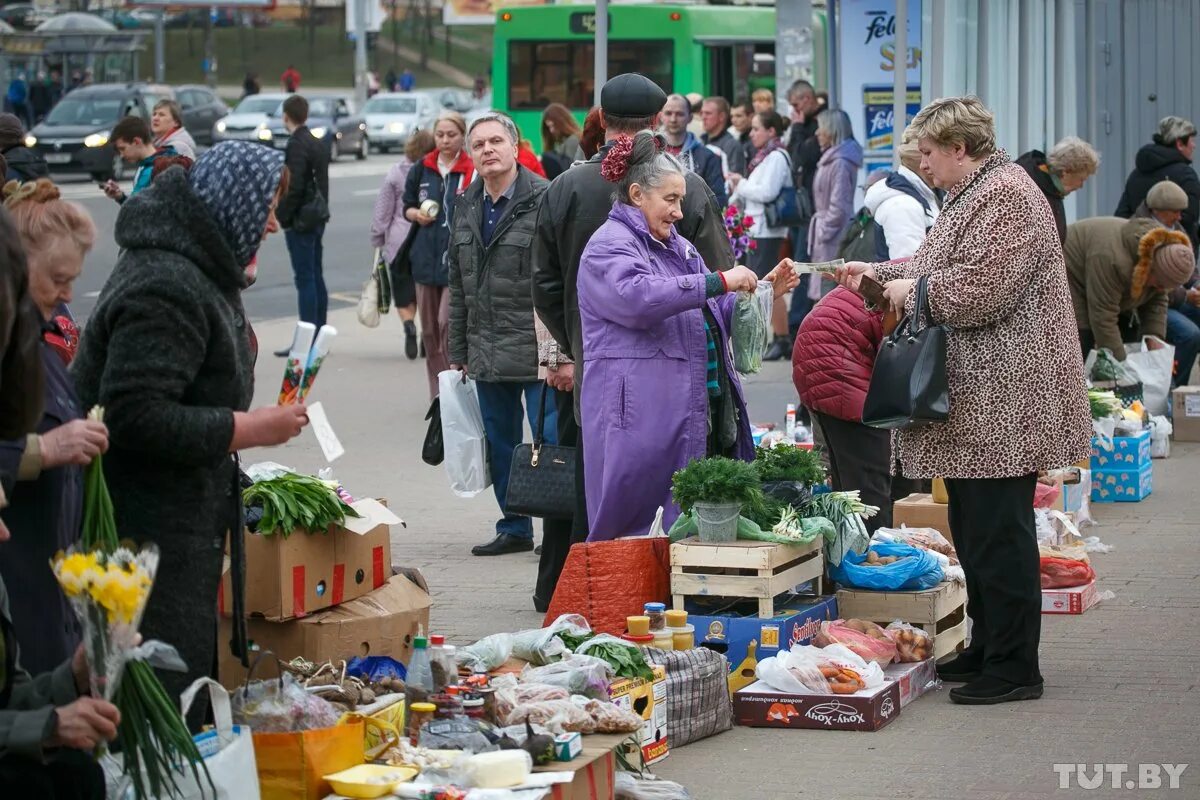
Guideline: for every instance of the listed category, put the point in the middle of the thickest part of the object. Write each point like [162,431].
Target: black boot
[987,691]
[410,340]
[780,349]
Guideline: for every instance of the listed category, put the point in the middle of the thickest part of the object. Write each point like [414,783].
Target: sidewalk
[1121,685]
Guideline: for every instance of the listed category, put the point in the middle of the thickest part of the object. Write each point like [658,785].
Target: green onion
[291,501]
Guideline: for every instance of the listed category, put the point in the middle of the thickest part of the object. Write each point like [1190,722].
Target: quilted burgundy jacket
[835,353]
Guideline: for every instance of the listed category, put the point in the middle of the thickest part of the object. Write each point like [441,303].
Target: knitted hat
[12,132]
[1167,196]
[236,181]
[1172,265]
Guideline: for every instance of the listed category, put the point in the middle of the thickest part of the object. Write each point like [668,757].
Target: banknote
[819,268]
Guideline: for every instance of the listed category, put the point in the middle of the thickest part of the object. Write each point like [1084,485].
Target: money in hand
[819,268]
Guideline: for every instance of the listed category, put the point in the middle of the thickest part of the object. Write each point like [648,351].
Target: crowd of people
[588,292]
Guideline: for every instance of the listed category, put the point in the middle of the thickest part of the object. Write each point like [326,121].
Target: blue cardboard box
[1128,453]
[731,630]
[1122,485]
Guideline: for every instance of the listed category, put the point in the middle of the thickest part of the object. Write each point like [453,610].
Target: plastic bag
[1154,368]
[558,716]
[792,673]
[813,670]
[576,674]
[929,539]
[488,653]
[458,734]
[865,639]
[628,786]
[609,717]
[917,569]
[1160,437]
[750,330]
[1062,573]
[1103,367]
[912,643]
[509,697]
[541,646]
[373,669]
[463,440]
[626,659]
[281,705]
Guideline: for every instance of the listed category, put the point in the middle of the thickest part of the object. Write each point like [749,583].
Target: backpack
[860,239]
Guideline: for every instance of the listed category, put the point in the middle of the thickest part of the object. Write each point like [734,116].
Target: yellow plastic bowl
[364,780]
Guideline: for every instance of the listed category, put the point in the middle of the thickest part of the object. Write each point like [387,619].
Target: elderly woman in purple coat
[658,385]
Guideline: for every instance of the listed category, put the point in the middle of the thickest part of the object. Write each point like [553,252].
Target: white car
[249,121]
[392,117]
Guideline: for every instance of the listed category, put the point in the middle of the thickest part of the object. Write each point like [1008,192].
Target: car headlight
[396,127]
[30,140]
[96,140]
[319,132]
[264,135]
[221,126]
[362,126]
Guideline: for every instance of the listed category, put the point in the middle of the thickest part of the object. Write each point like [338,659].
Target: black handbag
[314,211]
[908,385]
[792,207]
[541,482]
[433,450]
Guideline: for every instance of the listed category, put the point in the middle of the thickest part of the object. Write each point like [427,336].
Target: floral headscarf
[236,181]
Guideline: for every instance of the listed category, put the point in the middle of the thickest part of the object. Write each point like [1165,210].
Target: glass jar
[657,612]
[418,715]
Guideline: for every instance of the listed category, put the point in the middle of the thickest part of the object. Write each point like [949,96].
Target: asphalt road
[353,186]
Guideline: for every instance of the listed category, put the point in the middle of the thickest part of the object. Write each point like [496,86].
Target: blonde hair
[956,120]
[763,94]
[1073,154]
[43,218]
[452,116]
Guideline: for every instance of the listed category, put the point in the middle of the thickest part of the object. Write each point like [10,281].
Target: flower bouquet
[737,228]
[108,584]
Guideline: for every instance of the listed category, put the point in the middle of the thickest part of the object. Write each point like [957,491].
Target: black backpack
[859,242]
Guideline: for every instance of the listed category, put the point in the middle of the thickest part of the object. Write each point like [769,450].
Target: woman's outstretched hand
[850,274]
[784,277]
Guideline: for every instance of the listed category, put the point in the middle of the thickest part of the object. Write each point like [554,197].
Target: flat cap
[631,95]
[1167,196]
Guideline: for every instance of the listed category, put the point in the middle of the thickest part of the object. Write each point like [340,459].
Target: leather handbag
[908,384]
[541,482]
[314,211]
[433,449]
[788,210]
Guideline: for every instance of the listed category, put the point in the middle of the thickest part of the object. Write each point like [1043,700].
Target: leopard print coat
[996,278]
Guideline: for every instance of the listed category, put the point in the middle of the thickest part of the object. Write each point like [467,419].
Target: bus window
[541,73]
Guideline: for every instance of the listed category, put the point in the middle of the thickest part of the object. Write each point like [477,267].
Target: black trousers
[860,457]
[69,775]
[559,534]
[992,523]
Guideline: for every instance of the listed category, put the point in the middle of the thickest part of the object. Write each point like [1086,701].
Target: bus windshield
[540,73]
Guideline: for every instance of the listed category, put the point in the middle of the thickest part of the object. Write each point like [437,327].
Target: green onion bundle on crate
[108,583]
[290,501]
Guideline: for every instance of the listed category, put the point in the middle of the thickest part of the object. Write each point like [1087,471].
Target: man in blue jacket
[684,145]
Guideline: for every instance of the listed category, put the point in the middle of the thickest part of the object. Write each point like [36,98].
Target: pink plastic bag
[878,647]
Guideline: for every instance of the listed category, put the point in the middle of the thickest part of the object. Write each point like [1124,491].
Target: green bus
[544,54]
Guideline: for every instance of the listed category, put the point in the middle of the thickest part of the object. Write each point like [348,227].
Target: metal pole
[793,47]
[601,63]
[160,58]
[900,81]
[210,47]
[833,56]
[360,52]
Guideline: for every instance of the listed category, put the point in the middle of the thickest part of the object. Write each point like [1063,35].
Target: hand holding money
[849,275]
[829,268]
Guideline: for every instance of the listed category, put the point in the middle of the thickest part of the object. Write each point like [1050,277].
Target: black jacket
[1154,163]
[574,206]
[805,151]
[427,246]
[491,301]
[1033,162]
[25,164]
[307,160]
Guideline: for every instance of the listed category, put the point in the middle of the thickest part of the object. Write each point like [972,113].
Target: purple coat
[644,390]
[833,198]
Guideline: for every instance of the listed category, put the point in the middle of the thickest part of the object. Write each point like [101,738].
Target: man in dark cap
[574,206]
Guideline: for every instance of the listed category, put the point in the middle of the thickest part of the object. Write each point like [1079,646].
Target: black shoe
[284,352]
[503,545]
[537,551]
[410,340]
[780,349]
[540,605]
[421,350]
[987,691]
[959,670]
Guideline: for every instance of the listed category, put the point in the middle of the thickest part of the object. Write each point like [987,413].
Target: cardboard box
[760,706]
[1128,452]
[290,577]
[1185,414]
[1121,485]
[593,769]
[915,679]
[1075,600]
[731,631]
[920,511]
[382,623]
[648,700]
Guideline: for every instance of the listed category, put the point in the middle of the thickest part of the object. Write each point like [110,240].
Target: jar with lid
[418,715]
[448,704]
[473,707]
[657,612]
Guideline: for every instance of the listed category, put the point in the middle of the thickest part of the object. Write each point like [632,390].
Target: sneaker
[284,352]
[779,350]
[503,544]
[959,670]
[987,691]
[540,605]
[410,340]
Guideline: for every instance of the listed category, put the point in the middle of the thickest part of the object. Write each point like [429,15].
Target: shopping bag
[464,443]
[1154,368]
[917,569]
[433,449]
[228,751]
[605,582]
[290,765]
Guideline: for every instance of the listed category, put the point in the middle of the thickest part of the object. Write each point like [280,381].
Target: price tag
[331,446]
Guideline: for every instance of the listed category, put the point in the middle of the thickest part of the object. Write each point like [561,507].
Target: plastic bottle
[789,427]
[420,672]
[442,663]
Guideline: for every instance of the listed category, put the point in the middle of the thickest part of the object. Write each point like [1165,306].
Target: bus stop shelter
[73,43]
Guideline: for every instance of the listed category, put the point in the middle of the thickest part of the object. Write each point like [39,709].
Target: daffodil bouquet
[108,584]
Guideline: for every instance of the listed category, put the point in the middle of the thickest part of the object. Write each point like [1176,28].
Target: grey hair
[505,121]
[687,107]
[648,166]
[801,88]
[837,123]
[171,106]
[1073,154]
[1172,129]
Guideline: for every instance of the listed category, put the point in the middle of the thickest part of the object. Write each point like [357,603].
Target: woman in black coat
[43,471]
[167,354]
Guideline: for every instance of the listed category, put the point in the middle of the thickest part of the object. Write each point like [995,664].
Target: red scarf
[462,165]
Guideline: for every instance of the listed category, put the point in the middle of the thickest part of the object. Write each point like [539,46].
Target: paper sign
[330,446]
[1191,405]
[371,513]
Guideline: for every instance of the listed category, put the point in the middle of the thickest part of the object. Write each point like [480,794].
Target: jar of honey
[418,715]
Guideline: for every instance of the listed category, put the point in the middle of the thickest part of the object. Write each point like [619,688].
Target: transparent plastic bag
[577,674]
[463,439]
[750,331]
[458,734]
[540,646]
[281,705]
[865,639]
[609,717]
[509,697]
[792,672]
[912,643]
[929,539]
[557,716]
[488,653]
[628,786]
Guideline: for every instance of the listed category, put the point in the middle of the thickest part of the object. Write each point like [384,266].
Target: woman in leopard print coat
[1018,403]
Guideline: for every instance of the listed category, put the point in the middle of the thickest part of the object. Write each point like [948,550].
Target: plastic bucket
[717,522]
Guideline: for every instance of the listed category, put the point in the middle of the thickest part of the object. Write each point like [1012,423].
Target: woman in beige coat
[1018,405]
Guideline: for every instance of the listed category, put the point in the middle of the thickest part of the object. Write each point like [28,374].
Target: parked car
[23,16]
[74,136]
[392,117]
[331,118]
[248,120]
[202,109]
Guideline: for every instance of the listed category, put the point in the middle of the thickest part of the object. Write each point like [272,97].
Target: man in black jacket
[23,164]
[301,214]
[1168,157]
[804,151]
[572,209]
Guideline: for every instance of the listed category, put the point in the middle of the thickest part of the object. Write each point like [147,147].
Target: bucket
[717,522]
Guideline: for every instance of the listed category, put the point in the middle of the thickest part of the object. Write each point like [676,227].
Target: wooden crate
[940,611]
[758,570]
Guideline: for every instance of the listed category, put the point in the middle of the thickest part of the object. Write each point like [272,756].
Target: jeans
[1183,331]
[308,253]
[500,404]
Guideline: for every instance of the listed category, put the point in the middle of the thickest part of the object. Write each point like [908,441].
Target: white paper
[330,445]
[371,513]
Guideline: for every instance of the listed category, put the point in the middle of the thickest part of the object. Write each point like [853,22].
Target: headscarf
[236,181]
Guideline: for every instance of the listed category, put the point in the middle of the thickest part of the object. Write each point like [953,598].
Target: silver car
[249,120]
[393,116]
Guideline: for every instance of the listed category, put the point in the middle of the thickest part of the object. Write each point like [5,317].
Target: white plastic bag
[228,751]
[1153,368]
[463,437]
[1160,437]
[368,301]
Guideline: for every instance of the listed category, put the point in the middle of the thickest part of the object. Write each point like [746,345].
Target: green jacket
[1101,254]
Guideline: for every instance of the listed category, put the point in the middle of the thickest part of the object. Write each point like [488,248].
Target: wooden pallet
[757,570]
[940,612]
